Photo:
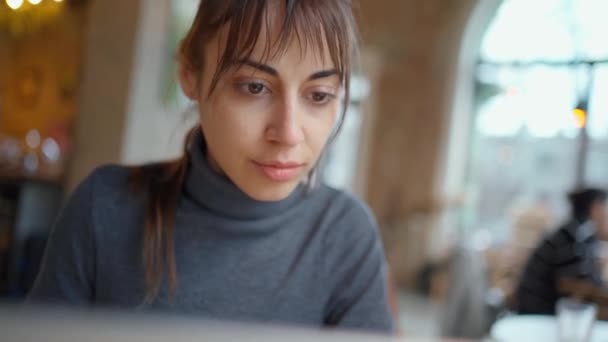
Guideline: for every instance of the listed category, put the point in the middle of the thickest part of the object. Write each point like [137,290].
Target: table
[537,328]
[18,325]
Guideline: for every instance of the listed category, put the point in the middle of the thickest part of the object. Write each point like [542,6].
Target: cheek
[229,125]
[321,126]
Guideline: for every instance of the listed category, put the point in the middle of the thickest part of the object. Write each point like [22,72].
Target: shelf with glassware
[27,210]
[31,189]
[34,157]
[7,218]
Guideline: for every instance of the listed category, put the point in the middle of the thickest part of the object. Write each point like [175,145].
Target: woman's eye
[253,88]
[321,98]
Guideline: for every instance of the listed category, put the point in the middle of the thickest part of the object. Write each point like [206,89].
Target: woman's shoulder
[109,191]
[343,200]
[108,180]
[115,179]
[111,173]
[347,211]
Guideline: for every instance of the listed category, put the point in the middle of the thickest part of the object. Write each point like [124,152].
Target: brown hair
[311,22]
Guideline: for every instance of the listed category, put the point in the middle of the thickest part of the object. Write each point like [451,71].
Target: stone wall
[418,44]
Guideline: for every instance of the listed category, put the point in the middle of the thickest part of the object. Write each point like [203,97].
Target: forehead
[294,44]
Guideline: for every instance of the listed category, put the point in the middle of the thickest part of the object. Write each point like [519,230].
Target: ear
[188,80]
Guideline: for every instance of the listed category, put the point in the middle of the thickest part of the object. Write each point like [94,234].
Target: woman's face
[267,121]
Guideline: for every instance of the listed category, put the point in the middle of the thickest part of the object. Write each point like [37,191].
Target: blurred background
[470,121]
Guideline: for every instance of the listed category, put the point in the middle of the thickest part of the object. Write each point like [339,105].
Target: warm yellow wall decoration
[19,17]
[40,77]
[39,80]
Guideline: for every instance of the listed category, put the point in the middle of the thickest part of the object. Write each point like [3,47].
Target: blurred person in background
[238,228]
[568,253]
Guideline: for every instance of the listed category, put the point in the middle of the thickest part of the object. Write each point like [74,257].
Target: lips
[280,171]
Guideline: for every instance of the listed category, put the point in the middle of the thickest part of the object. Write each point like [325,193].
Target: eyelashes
[259,89]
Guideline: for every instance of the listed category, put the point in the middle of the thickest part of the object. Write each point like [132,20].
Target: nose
[285,127]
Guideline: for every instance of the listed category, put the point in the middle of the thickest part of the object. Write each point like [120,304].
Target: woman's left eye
[255,88]
[318,97]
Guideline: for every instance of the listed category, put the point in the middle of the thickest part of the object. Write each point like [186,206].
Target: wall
[418,43]
[5,49]
[134,125]
[454,156]
[105,91]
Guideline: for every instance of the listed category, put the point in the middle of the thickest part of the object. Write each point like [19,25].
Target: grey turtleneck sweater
[313,259]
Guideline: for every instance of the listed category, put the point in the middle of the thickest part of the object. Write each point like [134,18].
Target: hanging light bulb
[14,4]
[29,16]
[580,117]
[580,113]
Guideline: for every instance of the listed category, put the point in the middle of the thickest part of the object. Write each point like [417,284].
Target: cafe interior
[469,124]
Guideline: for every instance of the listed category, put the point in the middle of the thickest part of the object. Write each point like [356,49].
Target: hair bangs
[313,24]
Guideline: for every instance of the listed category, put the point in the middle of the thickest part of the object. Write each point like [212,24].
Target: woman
[237,228]
[568,253]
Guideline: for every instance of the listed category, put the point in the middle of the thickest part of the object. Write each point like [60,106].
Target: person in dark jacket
[568,253]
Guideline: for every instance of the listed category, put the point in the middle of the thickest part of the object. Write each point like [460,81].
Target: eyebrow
[273,72]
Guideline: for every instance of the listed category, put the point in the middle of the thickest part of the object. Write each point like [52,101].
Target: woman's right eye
[253,88]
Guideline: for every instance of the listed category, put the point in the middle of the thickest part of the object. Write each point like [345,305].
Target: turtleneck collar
[221,196]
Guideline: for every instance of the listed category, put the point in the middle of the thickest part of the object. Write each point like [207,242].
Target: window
[541,126]
[343,153]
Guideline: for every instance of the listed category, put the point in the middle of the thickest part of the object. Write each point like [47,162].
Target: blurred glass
[526,136]
[182,13]
[345,150]
[575,320]
[555,30]
[597,158]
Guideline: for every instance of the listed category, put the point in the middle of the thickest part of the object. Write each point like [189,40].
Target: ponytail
[161,184]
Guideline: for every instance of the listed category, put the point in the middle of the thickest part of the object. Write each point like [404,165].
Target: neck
[209,187]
